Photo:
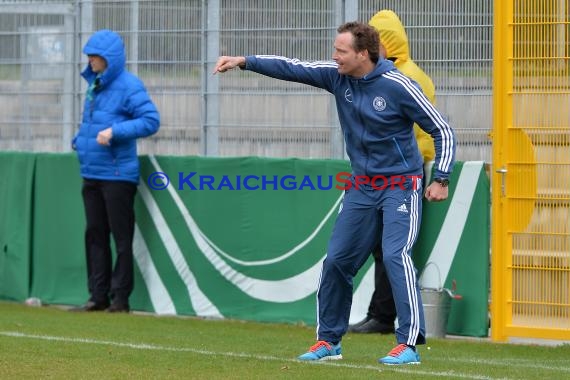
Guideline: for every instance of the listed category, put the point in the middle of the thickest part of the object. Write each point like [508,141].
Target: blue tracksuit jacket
[376,114]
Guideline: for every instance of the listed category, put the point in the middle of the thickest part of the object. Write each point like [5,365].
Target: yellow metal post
[501,121]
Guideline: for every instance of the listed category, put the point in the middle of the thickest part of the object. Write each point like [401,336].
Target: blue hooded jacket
[376,112]
[119,101]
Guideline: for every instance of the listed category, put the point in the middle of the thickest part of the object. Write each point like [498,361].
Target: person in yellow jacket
[382,310]
[395,41]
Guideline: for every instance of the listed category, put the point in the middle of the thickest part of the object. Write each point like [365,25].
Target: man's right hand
[436,193]
[226,63]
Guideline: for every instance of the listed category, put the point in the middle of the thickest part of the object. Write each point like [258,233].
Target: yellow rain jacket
[395,41]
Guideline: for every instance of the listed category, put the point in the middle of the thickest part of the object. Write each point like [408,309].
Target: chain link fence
[173,45]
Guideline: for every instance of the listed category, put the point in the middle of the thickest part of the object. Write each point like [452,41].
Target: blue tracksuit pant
[366,215]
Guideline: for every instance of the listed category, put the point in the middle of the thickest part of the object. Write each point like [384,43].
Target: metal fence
[173,45]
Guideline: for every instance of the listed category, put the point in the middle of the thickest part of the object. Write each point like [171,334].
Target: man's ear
[383,53]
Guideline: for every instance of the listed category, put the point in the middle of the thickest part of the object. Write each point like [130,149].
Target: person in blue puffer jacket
[377,106]
[117,111]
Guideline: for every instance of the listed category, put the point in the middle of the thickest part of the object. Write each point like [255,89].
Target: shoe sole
[83,310]
[412,363]
[330,357]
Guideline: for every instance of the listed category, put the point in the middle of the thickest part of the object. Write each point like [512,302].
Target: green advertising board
[242,238]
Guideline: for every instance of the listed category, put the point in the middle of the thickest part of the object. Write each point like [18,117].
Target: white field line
[143,346]
[564,367]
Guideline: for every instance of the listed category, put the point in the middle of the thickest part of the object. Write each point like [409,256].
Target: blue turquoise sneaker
[323,351]
[401,354]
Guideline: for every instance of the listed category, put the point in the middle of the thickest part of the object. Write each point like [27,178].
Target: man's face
[348,60]
[98,63]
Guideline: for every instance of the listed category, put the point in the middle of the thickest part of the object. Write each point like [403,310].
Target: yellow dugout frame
[530,258]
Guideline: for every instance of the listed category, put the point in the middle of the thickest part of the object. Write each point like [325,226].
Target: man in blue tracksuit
[377,107]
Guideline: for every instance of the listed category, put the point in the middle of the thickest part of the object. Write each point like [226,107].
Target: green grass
[49,342]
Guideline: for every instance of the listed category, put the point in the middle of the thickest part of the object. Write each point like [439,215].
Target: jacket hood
[110,46]
[382,66]
[392,34]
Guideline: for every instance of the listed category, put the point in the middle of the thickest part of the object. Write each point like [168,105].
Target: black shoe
[358,324]
[91,306]
[373,326]
[118,308]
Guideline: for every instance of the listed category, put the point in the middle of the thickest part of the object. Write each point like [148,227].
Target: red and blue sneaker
[323,351]
[401,354]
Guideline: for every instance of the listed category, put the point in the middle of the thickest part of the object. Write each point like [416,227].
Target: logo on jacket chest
[379,103]
[348,95]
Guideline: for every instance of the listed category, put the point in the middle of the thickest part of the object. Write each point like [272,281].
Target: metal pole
[85,30]
[345,10]
[350,10]
[133,57]
[68,82]
[210,83]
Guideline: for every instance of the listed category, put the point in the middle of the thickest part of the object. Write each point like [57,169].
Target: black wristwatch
[442,182]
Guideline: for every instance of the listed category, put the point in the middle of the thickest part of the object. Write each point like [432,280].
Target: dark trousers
[109,210]
[382,306]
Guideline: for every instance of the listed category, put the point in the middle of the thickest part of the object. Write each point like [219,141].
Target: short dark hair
[365,38]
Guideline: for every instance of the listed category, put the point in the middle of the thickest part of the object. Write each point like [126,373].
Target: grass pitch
[48,342]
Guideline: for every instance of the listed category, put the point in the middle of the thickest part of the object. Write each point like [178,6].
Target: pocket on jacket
[400,152]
